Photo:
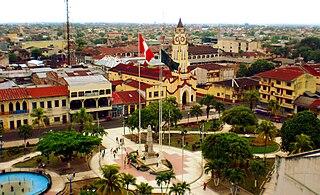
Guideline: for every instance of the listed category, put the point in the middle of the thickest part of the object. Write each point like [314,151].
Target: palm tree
[111,182]
[219,106]
[303,143]
[169,176]
[161,178]
[267,131]
[128,179]
[175,188]
[144,189]
[39,117]
[273,106]
[208,100]
[185,187]
[83,118]
[235,176]
[196,111]
[25,131]
[251,97]
[257,169]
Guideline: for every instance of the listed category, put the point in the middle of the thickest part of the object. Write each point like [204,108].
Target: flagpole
[139,130]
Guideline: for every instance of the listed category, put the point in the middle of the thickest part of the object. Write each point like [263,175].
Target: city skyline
[202,12]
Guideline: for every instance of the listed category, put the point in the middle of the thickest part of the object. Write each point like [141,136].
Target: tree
[303,143]
[128,179]
[229,148]
[208,101]
[235,176]
[258,66]
[268,132]
[215,167]
[219,106]
[170,110]
[184,187]
[1,129]
[243,70]
[144,189]
[175,188]
[314,55]
[306,46]
[39,117]
[257,169]
[111,182]
[25,131]
[251,97]
[196,111]
[273,106]
[36,53]
[81,42]
[305,122]
[83,118]
[13,58]
[239,115]
[66,143]
[160,179]
[168,177]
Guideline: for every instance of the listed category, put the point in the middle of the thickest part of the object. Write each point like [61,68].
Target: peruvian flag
[145,49]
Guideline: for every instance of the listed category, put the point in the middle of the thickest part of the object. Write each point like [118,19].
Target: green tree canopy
[303,143]
[65,143]
[226,147]
[260,65]
[306,46]
[83,118]
[251,97]
[196,110]
[25,131]
[36,53]
[39,117]
[239,115]
[304,122]
[13,58]
[208,101]
[112,182]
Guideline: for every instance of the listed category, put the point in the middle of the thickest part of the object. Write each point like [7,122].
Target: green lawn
[15,152]
[260,150]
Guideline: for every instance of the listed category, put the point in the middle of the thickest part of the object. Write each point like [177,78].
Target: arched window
[24,105]
[18,106]
[11,106]
[2,108]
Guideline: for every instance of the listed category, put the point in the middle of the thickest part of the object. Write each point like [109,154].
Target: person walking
[204,186]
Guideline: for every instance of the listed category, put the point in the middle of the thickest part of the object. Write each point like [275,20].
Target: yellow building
[232,90]
[234,46]
[180,84]
[60,44]
[17,104]
[285,85]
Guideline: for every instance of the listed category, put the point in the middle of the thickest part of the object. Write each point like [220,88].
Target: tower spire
[180,25]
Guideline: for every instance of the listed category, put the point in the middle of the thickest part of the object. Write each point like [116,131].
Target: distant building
[235,46]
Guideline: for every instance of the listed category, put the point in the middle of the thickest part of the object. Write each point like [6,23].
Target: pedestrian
[114,155]
[204,186]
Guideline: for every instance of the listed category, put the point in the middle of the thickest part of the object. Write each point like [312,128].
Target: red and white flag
[145,49]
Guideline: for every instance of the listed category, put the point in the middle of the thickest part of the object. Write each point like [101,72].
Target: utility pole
[68,31]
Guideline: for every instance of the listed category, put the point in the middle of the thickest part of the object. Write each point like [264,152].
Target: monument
[150,158]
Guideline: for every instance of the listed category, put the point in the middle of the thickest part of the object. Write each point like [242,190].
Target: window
[2,108]
[64,103]
[49,104]
[96,92]
[18,106]
[10,106]
[42,104]
[81,94]
[11,125]
[156,94]
[56,119]
[34,105]
[288,101]
[18,123]
[102,92]
[289,84]
[288,92]
[25,121]
[278,82]
[161,93]
[74,94]
[264,96]
[218,94]
[150,94]
[264,88]
[56,103]
[108,91]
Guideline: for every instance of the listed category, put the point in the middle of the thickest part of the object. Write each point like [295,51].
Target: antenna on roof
[68,31]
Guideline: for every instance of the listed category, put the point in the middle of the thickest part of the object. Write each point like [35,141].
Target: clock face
[177,39]
[182,39]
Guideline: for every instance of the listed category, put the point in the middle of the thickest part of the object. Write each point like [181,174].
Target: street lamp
[183,133]
[188,116]
[70,177]
[1,143]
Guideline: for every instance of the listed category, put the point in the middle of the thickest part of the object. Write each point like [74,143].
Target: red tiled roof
[116,82]
[135,84]
[315,104]
[52,91]
[313,69]
[284,74]
[145,72]
[13,94]
[126,97]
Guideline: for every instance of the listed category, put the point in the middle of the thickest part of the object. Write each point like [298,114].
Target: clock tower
[180,47]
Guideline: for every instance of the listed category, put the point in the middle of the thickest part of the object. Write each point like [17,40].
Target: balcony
[14,112]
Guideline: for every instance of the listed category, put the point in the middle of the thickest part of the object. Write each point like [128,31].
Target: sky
[163,11]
